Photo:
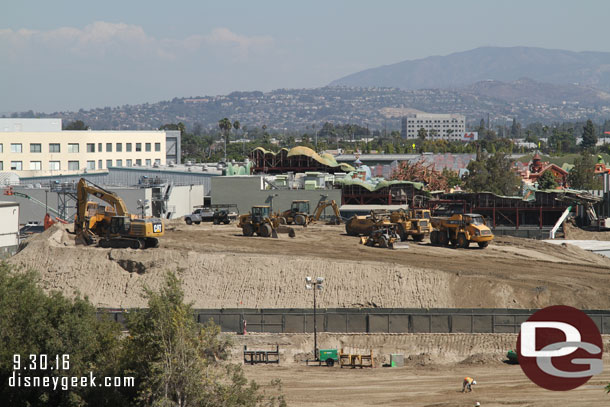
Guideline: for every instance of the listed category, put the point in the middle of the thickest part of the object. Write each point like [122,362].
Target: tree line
[174,360]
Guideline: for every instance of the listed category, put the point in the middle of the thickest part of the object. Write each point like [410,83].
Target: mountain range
[506,64]
[530,84]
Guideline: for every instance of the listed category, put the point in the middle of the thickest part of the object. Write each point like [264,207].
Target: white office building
[31,148]
[450,127]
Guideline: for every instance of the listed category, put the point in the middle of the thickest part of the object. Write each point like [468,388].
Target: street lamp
[314,285]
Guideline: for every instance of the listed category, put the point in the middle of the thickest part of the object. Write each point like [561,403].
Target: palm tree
[225,126]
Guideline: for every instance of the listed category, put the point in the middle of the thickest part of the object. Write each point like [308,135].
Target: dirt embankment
[220,268]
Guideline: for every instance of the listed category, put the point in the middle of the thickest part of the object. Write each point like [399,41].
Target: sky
[67,54]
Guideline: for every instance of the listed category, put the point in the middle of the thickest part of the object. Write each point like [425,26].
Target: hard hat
[477,404]
[474,382]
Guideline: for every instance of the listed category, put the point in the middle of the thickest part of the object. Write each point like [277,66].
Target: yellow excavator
[112,225]
[299,213]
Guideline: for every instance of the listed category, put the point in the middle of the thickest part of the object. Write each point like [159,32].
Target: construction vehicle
[413,222]
[221,213]
[359,225]
[384,236]
[460,230]
[299,213]
[262,222]
[112,225]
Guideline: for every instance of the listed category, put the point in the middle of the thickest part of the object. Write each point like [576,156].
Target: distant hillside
[377,108]
[526,90]
[502,64]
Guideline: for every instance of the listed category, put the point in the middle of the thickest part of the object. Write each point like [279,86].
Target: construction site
[352,292]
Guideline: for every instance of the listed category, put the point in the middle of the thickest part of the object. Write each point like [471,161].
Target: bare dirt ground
[220,268]
[435,365]
[423,386]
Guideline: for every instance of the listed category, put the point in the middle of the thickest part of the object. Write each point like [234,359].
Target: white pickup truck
[215,213]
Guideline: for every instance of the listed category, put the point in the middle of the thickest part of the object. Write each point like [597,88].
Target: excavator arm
[323,205]
[86,188]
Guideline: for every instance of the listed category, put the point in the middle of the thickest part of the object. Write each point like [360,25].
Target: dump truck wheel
[265,230]
[247,229]
[418,238]
[300,220]
[434,237]
[189,221]
[330,362]
[483,245]
[462,242]
[443,239]
[282,220]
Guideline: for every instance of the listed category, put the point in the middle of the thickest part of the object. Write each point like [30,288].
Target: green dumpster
[511,355]
[329,356]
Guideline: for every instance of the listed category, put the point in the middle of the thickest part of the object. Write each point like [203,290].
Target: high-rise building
[438,126]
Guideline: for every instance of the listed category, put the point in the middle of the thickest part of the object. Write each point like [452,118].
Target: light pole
[314,285]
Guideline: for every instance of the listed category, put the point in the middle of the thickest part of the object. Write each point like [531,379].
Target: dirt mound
[573,232]
[220,268]
[482,359]
[423,359]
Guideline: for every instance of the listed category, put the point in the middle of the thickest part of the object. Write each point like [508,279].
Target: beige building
[438,126]
[30,154]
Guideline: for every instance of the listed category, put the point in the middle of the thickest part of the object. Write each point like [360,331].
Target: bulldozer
[383,236]
[112,225]
[460,230]
[262,222]
[299,213]
[412,222]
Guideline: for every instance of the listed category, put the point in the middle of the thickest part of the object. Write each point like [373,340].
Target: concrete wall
[183,200]
[246,191]
[9,228]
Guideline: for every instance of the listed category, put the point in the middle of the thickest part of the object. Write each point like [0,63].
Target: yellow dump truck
[460,230]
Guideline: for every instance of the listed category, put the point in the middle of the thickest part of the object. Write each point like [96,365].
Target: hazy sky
[67,54]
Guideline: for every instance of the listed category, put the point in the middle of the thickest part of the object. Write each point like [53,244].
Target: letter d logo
[559,348]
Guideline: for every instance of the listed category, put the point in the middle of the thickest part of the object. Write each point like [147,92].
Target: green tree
[589,138]
[35,323]
[547,180]
[177,362]
[452,178]
[492,173]
[76,125]
[582,175]
[225,126]
[422,134]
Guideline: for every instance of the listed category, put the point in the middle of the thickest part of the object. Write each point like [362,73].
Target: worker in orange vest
[467,384]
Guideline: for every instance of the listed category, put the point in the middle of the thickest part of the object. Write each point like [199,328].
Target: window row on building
[76,165]
[90,147]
